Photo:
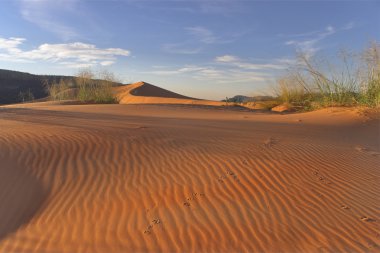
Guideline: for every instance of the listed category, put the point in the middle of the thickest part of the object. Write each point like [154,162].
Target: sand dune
[145,93]
[157,178]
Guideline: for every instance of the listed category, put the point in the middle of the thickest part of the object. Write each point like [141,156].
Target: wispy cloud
[206,36]
[202,34]
[227,58]
[309,46]
[200,37]
[11,45]
[349,26]
[308,42]
[45,14]
[242,64]
[69,54]
[165,71]
[227,69]
[214,74]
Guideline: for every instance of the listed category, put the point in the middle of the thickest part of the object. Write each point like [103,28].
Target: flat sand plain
[181,178]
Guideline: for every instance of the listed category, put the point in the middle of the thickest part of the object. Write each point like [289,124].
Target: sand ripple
[91,182]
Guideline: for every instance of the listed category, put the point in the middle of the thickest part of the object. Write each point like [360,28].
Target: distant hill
[245,99]
[13,83]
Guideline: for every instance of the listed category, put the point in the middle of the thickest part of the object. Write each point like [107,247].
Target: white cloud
[106,63]
[330,30]
[241,64]
[231,76]
[76,65]
[308,46]
[182,70]
[11,44]
[220,73]
[229,69]
[227,58]
[69,54]
[190,68]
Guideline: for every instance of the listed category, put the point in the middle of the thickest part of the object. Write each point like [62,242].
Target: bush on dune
[311,84]
[85,87]
[95,90]
[370,87]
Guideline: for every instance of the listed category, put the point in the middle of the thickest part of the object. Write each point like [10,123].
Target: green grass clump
[85,88]
[309,86]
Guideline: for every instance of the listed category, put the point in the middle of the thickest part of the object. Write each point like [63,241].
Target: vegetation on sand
[85,87]
[310,84]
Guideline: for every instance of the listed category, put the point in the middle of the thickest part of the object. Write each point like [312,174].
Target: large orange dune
[170,178]
[145,93]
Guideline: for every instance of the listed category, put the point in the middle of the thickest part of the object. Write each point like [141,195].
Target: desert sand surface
[182,178]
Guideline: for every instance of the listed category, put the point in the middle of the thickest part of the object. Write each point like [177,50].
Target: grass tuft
[310,85]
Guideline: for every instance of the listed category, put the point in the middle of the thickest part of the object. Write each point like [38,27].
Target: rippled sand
[151,178]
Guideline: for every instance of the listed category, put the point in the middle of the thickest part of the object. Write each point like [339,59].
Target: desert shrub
[95,90]
[26,96]
[354,81]
[267,105]
[371,95]
[370,76]
[292,91]
[59,90]
[85,87]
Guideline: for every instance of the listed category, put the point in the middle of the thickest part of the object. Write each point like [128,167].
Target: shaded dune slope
[145,93]
[149,90]
[121,180]
[21,195]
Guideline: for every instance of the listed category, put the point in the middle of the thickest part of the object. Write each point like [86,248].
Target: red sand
[160,178]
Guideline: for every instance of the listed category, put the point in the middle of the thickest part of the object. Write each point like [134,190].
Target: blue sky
[202,48]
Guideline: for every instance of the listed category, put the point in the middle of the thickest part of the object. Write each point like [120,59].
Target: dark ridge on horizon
[12,83]
[245,99]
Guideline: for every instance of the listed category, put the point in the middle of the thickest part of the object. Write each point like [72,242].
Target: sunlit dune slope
[145,93]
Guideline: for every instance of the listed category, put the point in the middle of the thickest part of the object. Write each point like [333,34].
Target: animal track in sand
[321,178]
[270,142]
[367,219]
[372,245]
[366,150]
[344,207]
[149,228]
[193,197]
[228,175]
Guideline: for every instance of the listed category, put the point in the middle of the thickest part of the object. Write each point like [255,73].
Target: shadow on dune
[149,90]
[21,197]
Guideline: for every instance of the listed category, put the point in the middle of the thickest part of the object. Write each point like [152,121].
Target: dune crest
[145,93]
